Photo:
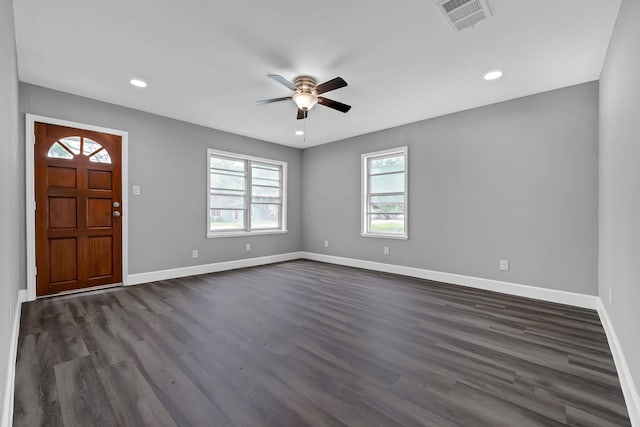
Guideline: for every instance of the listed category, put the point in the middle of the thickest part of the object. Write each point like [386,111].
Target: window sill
[244,233]
[386,236]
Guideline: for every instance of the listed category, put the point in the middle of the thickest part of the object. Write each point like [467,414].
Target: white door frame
[30,138]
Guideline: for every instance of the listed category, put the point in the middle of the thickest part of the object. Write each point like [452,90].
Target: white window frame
[247,231]
[365,193]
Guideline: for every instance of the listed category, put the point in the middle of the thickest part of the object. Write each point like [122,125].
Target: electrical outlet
[194,253]
[610,295]
[504,265]
[326,243]
[385,250]
[248,247]
[136,190]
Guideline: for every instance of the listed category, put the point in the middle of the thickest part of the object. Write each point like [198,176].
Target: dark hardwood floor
[303,343]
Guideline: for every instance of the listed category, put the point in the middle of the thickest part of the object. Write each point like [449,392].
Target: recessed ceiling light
[299,132]
[493,75]
[138,83]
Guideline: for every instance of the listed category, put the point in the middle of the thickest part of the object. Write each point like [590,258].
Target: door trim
[30,120]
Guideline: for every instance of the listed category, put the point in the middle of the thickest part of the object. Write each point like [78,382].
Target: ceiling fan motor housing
[305,84]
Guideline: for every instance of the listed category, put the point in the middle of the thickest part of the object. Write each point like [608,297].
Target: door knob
[116,214]
[116,204]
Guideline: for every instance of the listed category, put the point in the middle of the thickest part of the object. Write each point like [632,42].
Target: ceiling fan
[307,91]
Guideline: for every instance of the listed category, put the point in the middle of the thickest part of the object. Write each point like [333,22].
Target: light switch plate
[504,265]
[136,190]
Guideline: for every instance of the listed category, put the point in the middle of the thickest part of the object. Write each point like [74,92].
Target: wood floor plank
[83,400]
[36,396]
[186,403]
[134,401]
[304,343]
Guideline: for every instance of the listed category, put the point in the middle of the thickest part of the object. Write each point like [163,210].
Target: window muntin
[246,194]
[384,193]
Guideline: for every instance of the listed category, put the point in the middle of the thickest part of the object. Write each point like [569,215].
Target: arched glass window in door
[71,146]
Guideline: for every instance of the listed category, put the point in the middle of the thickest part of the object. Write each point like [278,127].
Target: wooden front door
[78,206]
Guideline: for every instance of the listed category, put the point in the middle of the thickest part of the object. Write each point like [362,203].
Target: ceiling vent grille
[461,14]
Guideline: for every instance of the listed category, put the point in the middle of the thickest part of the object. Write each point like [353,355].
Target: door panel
[62,177]
[100,263]
[99,213]
[78,183]
[62,212]
[63,253]
[99,180]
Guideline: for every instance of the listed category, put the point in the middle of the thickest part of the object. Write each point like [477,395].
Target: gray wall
[619,181]
[516,180]
[9,190]
[167,158]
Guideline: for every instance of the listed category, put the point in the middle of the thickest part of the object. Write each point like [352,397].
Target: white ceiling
[206,61]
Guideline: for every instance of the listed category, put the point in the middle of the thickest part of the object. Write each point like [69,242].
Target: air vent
[461,14]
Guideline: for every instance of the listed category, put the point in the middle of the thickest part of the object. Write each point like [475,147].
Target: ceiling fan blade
[333,104]
[302,114]
[334,84]
[283,81]
[269,101]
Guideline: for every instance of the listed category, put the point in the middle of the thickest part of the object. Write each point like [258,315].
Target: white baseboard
[544,294]
[631,396]
[550,295]
[174,273]
[7,404]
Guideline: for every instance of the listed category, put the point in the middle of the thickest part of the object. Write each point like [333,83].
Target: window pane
[89,146]
[386,165]
[73,143]
[218,201]
[265,216]
[267,182]
[389,204]
[393,183]
[229,164]
[386,207]
[58,152]
[265,171]
[227,172]
[101,157]
[265,191]
[226,219]
[227,181]
[388,199]
[387,223]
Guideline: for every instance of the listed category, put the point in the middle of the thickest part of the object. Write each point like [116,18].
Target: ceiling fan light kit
[305,101]
[306,94]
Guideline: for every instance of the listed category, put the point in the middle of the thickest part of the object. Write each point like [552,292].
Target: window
[384,193]
[245,195]
[71,146]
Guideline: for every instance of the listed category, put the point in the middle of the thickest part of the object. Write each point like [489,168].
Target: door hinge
[34,205]
[34,139]
[35,270]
